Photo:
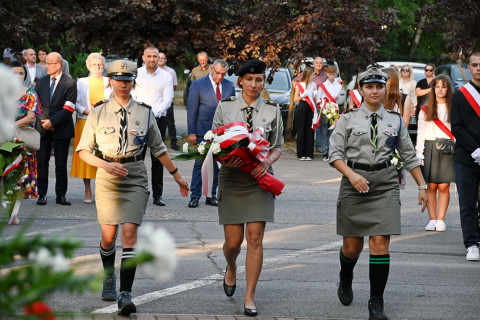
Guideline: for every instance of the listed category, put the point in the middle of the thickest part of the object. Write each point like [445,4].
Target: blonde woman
[91,90]
[407,84]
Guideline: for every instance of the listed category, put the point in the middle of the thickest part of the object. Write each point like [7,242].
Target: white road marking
[59,230]
[149,297]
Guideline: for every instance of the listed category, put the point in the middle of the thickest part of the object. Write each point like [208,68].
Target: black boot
[344,292]
[375,308]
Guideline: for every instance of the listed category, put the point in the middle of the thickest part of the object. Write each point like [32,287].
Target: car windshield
[457,74]
[417,76]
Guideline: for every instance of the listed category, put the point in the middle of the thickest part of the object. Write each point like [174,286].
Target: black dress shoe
[344,292]
[193,203]
[42,200]
[375,309]
[250,312]
[157,200]
[211,202]
[229,290]
[175,147]
[61,200]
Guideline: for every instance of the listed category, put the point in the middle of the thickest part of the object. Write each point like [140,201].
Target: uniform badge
[137,123]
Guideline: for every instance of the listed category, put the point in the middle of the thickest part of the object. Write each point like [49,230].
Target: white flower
[9,192]
[215,147]
[161,245]
[329,116]
[201,148]
[394,161]
[185,147]
[16,188]
[208,135]
[325,110]
[44,258]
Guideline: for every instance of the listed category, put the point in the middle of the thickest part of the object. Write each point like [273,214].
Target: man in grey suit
[34,71]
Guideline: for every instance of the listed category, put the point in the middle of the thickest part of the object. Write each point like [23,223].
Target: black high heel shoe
[229,290]
[250,312]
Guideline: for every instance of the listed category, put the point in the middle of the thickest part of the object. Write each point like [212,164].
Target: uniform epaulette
[350,110]
[391,111]
[270,102]
[232,98]
[99,103]
[144,104]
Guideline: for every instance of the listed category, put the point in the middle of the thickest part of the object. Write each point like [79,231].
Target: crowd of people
[121,112]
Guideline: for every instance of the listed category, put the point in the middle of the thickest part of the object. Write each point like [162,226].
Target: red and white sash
[356,97]
[307,98]
[329,96]
[472,96]
[440,125]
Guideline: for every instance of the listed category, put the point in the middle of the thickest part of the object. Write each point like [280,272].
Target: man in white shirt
[172,131]
[154,87]
[34,71]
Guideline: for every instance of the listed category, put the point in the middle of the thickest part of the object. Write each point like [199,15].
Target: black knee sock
[379,269]
[346,266]
[127,274]
[108,260]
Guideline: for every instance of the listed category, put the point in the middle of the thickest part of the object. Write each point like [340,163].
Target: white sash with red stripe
[307,98]
[356,97]
[472,96]
[329,96]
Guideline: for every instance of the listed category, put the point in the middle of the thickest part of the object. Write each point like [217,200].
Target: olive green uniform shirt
[198,73]
[102,129]
[350,139]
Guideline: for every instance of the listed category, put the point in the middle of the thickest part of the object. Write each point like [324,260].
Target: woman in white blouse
[407,83]
[91,90]
[437,167]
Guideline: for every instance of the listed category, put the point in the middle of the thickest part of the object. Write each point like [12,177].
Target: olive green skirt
[374,213]
[241,200]
[122,199]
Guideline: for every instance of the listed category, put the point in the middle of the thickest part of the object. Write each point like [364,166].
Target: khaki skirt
[374,213]
[122,199]
[241,200]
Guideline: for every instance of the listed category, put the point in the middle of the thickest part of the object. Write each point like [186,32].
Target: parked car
[453,70]
[280,89]
[309,60]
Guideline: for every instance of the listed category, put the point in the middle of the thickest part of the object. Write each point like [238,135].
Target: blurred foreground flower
[45,259]
[39,310]
[156,251]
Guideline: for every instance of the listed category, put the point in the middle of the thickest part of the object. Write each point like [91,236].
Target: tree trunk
[418,35]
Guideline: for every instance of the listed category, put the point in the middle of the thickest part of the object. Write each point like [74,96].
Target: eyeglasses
[428,70]
[219,73]
[405,70]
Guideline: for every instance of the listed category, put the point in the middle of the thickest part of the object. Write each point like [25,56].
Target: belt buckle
[373,167]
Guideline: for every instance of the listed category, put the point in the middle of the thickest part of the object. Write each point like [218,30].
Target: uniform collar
[368,113]
[244,104]
[117,107]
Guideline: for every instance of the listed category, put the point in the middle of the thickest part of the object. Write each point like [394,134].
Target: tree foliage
[235,30]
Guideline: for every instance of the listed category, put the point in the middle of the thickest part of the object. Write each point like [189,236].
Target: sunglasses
[406,70]
[428,70]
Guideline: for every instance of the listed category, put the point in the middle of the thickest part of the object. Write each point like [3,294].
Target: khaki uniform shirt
[198,73]
[102,129]
[265,114]
[350,139]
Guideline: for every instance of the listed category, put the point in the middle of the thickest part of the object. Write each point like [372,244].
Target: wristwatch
[424,187]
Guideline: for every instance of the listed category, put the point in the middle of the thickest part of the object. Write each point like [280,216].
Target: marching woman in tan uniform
[120,128]
[243,207]
[368,204]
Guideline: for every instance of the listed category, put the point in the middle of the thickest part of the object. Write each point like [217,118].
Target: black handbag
[444,145]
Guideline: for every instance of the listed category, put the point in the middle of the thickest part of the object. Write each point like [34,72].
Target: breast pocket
[358,136]
[106,135]
[390,137]
[138,136]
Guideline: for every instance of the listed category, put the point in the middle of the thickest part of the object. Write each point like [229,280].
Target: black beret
[251,66]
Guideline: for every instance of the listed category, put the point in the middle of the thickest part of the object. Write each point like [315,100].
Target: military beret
[372,75]
[251,66]
[122,70]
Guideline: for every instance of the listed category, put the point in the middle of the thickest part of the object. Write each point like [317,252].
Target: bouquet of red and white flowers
[232,139]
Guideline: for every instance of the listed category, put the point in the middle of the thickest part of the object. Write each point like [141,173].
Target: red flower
[40,310]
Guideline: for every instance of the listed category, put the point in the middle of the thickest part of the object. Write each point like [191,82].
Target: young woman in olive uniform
[368,204]
[120,128]
[243,207]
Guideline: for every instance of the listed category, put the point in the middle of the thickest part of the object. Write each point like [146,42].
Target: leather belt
[368,167]
[135,158]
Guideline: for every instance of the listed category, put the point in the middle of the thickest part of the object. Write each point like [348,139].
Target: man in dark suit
[57,94]
[203,98]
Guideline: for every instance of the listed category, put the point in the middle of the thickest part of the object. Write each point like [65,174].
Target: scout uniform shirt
[350,139]
[102,130]
[265,114]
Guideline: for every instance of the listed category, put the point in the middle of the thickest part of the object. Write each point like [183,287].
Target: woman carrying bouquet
[433,123]
[368,204]
[243,207]
[329,91]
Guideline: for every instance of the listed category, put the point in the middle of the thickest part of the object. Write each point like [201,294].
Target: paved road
[429,278]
